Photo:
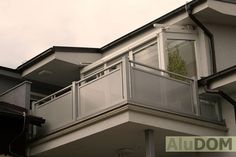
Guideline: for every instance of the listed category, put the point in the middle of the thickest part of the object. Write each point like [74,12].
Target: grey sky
[28,27]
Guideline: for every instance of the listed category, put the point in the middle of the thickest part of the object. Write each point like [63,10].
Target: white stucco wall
[225,45]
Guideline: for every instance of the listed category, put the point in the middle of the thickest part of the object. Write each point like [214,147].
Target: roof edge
[76,49]
[218,75]
[52,50]
[35,59]
[9,69]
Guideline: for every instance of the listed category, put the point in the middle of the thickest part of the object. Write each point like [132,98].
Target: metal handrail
[53,95]
[13,88]
[78,82]
[161,70]
[98,72]
[192,84]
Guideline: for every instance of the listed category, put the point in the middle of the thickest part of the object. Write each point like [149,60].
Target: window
[181,57]
[173,50]
[147,55]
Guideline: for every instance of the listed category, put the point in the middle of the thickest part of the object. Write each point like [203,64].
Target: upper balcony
[124,85]
[124,82]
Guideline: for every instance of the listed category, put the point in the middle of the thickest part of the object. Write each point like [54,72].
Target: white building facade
[172,77]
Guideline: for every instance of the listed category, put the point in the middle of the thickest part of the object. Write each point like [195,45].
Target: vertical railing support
[126,78]
[195,97]
[150,143]
[33,112]
[75,100]
[27,95]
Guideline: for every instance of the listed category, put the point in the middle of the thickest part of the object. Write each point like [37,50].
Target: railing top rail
[51,95]
[99,71]
[82,80]
[108,67]
[13,88]
[161,70]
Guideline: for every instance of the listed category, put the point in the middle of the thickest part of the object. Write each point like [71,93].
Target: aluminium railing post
[27,94]
[195,97]
[75,100]
[33,112]
[126,78]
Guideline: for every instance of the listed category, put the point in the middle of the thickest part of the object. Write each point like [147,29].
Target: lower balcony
[110,110]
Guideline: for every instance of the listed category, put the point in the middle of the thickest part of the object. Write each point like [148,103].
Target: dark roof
[14,129]
[10,73]
[13,111]
[52,50]
[224,73]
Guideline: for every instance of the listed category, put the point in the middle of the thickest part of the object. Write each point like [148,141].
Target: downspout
[223,95]
[189,10]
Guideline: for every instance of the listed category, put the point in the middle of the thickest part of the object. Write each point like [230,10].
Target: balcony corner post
[75,100]
[28,92]
[33,127]
[195,97]
[126,78]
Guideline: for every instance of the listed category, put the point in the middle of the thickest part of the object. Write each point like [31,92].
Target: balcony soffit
[54,71]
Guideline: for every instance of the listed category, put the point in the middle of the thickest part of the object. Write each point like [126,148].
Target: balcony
[18,95]
[120,83]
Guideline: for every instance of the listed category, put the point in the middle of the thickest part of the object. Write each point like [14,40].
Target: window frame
[161,38]
[172,34]
[160,35]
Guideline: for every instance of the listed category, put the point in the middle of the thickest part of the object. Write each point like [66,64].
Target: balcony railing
[18,95]
[123,81]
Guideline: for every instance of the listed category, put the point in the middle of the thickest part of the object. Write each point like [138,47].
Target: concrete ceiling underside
[128,137]
[210,16]
[55,72]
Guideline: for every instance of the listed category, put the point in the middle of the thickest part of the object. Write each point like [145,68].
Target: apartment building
[175,76]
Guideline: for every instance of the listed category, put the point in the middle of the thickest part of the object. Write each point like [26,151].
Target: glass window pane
[181,57]
[147,56]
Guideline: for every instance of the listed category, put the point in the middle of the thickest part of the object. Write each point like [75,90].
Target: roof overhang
[218,12]
[58,65]
[224,80]
[8,72]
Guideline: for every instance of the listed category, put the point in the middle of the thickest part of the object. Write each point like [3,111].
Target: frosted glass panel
[161,92]
[57,113]
[101,94]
